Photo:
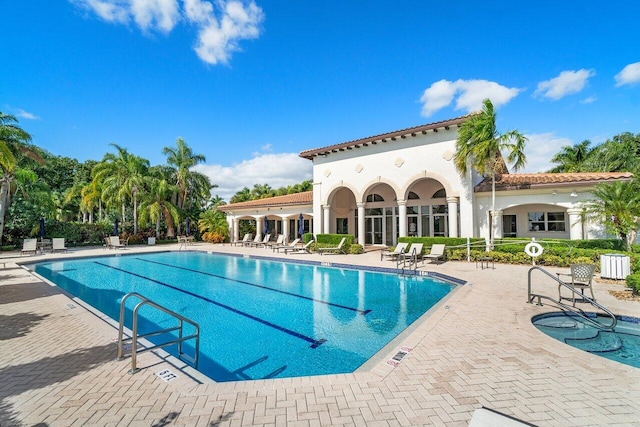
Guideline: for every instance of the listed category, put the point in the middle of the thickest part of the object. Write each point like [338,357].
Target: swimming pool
[622,344]
[258,318]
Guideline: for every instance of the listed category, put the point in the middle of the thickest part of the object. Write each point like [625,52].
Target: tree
[618,154]
[617,206]
[479,146]
[14,145]
[572,158]
[156,204]
[214,221]
[183,159]
[243,195]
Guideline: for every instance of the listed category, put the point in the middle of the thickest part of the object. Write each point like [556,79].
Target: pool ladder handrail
[134,332]
[402,258]
[576,311]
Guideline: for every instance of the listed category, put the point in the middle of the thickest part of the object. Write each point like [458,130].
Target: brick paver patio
[476,349]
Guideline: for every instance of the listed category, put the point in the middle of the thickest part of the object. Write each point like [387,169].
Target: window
[413,196]
[546,221]
[342,226]
[374,198]
[440,194]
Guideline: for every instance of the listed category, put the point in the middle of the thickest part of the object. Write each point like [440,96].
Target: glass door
[373,230]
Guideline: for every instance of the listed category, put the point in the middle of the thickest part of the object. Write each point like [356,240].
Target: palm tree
[156,204]
[14,143]
[571,158]
[243,195]
[617,206]
[214,221]
[122,178]
[183,159]
[479,146]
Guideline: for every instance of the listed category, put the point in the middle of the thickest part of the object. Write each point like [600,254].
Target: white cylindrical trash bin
[151,241]
[615,266]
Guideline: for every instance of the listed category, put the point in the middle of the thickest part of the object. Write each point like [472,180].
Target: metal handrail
[578,312]
[134,338]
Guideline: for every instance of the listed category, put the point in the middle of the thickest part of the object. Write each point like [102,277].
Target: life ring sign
[533,249]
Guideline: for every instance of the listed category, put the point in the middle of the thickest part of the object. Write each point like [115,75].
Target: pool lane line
[314,343]
[357,310]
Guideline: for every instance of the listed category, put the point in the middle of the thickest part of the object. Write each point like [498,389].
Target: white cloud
[589,100]
[629,75]
[470,94]
[221,25]
[26,115]
[219,37]
[567,83]
[277,170]
[539,150]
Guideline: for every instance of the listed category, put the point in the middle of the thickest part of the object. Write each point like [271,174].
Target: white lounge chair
[303,250]
[436,253]
[392,255]
[278,241]
[256,240]
[57,244]
[245,239]
[115,242]
[413,254]
[293,245]
[262,242]
[29,245]
[334,249]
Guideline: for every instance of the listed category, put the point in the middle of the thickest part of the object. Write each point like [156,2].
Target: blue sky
[250,84]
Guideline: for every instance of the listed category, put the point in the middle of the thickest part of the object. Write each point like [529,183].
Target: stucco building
[405,183]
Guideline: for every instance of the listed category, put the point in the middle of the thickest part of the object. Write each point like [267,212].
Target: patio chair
[334,249]
[245,239]
[303,250]
[278,241]
[262,242]
[115,242]
[29,245]
[57,244]
[392,255]
[581,278]
[256,240]
[436,253]
[293,245]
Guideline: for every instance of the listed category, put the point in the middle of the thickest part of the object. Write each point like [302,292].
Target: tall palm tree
[617,206]
[183,159]
[480,146]
[572,158]
[243,195]
[14,145]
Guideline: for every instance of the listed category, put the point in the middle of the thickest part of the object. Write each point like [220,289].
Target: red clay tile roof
[537,180]
[392,136]
[305,198]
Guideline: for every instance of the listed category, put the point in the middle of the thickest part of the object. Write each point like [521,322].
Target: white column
[326,217]
[496,223]
[259,226]
[402,218]
[575,224]
[361,228]
[236,229]
[285,228]
[452,203]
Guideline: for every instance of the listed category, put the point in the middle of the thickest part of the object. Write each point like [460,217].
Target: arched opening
[342,212]
[380,215]
[427,209]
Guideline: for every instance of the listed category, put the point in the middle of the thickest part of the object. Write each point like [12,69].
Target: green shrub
[356,249]
[331,240]
[633,282]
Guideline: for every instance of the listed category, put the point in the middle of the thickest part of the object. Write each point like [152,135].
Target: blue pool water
[622,344]
[258,318]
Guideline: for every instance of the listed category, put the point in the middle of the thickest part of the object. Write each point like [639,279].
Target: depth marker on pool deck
[314,343]
[357,310]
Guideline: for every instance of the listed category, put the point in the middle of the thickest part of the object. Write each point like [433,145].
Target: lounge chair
[392,255]
[334,249]
[581,278]
[115,242]
[293,245]
[256,240]
[29,245]
[303,250]
[278,241]
[57,244]
[262,242]
[245,239]
[437,252]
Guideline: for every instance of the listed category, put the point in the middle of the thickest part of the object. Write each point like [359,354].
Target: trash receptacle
[615,266]
[152,241]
